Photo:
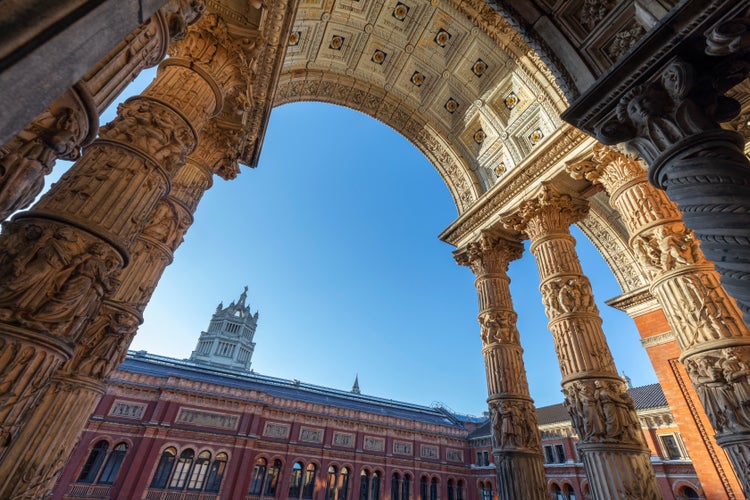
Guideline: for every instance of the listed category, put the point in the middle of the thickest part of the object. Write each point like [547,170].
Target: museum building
[629,119]
[209,428]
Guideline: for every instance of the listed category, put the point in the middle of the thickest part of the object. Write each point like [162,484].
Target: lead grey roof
[142,362]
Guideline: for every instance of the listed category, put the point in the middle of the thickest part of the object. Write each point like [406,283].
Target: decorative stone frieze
[611,443]
[713,340]
[517,445]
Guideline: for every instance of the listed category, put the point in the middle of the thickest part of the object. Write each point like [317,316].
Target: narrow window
[331,483]
[364,484]
[487,492]
[216,473]
[434,489]
[259,475]
[560,452]
[406,488]
[395,480]
[375,488]
[164,469]
[198,476]
[569,493]
[423,488]
[93,463]
[295,485]
[114,461]
[309,488]
[451,491]
[460,490]
[344,484]
[549,456]
[671,447]
[181,469]
[273,479]
[486,456]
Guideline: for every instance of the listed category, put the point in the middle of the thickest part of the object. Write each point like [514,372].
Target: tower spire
[355,387]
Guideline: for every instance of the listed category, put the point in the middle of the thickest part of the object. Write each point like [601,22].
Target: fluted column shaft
[72,121]
[611,443]
[516,443]
[31,464]
[61,260]
[713,340]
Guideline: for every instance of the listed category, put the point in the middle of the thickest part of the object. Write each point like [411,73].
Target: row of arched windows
[93,472]
[188,472]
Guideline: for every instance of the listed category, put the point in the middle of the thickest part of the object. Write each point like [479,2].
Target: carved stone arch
[461,181]
[600,228]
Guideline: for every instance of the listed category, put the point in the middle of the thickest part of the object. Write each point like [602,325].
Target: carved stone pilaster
[708,326]
[71,122]
[673,124]
[611,441]
[517,445]
[61,260]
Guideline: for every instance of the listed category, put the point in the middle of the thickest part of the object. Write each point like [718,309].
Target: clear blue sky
[335,234]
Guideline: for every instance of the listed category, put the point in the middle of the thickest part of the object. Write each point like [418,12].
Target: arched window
[309,487]
[423,486]
[364,484]
[434,489]
[557,493]
[460,490]
[112,466]
[198,475]
[688,493]
[395,480]
[331,483]
[451,490]
[216,473]
[375,487]
[273,479]
[343,493]
[181,469]
[164,469]
[94,462]
[406,488]
[487,491]
[259,475]
[568,492]
[295,484]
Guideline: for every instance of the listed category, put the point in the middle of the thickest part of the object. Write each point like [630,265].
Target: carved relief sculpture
[611,444]
[516,440]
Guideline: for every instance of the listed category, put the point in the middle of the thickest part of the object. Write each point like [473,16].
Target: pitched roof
[142,362]
[644,397]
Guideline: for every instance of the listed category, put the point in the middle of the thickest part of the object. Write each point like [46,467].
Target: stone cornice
[659,339]
[541,162]
[635,303]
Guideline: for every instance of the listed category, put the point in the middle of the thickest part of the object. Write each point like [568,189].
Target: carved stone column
[713,340]
[516,443]
[673,124]
[72,121]
[31,464]
[60,260]
[611,443]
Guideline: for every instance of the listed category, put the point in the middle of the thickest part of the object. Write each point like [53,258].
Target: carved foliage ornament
[489,255]
[653,117]
[549,211]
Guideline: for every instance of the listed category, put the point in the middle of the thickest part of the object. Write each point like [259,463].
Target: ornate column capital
[549,211]
[489,254]
[677,107]
[608,167]
[225,60]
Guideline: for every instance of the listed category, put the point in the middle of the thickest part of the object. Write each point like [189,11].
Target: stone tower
[228,343]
